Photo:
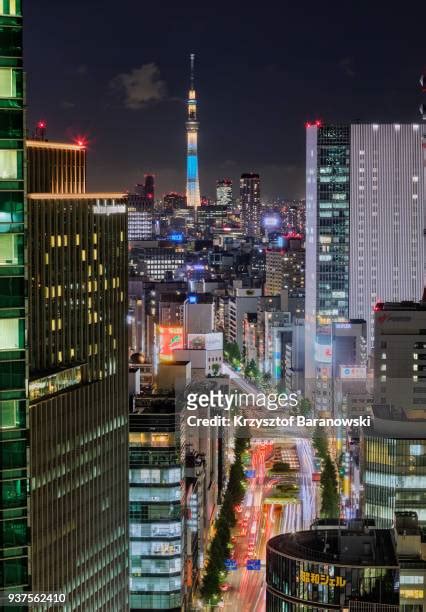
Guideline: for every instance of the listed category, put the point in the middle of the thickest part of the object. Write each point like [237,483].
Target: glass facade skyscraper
[13,313]
[333,223]
[395,474]
[327,248]
[156,517]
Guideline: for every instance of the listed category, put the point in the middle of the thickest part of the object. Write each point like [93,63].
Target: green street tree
[329,490]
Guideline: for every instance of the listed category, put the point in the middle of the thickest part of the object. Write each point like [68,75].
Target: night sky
[116,71]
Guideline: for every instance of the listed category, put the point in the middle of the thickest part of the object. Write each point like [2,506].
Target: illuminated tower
[192,182]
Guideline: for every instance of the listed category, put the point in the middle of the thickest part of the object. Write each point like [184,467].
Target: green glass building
[13,311]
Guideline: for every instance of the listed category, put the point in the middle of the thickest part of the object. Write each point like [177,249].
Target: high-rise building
[149,187]
[78,397]
[285,268]
[365,195]
[224,193]
[395,447]
[15,537]
[241,301]
[192,181]
[56,167]
[141,217]
[387,217]
[157,546]
[250,204]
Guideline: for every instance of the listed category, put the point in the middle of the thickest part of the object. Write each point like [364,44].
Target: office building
[198,314]
[241,301]
[141,217]
[192,180]
[327,234]
[224,193]
[250,204]
[156,260]
[359,181]
[411,549]
[400,356]
[394,473]
[15,538]
[285,268]
[157,527]
[273,332]
[393,470]
[332,568]
[211,217]
[78,397]
[56,167]
[387,208]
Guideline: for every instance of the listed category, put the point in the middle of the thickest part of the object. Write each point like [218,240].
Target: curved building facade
[331,570]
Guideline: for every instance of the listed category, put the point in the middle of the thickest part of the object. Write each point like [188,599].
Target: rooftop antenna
[192,58]
[40,130]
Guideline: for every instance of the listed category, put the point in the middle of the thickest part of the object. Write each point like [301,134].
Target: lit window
[9,414]
[83,255]
[9,334]
[8,164]
[6,83]
[9,250]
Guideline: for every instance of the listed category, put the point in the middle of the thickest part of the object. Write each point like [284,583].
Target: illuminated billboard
[208,342]
[353,372]
[323,353]
[169,339]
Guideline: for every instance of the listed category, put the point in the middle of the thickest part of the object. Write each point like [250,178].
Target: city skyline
[138,93]
[212,399]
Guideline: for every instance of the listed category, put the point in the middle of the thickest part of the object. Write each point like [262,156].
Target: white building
[241,302]
[365,216]
[387,218]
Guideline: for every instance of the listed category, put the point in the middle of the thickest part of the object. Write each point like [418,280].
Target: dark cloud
[141,86]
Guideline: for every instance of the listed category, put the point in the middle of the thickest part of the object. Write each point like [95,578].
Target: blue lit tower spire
[192,182]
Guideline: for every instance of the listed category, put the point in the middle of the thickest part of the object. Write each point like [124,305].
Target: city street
[258,522]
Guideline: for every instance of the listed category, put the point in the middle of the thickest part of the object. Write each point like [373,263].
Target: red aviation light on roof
[42,125]
[378,307]
[316,123]
[81,141]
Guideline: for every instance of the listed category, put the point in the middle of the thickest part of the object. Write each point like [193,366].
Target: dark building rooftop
[356,545]
[405,305]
